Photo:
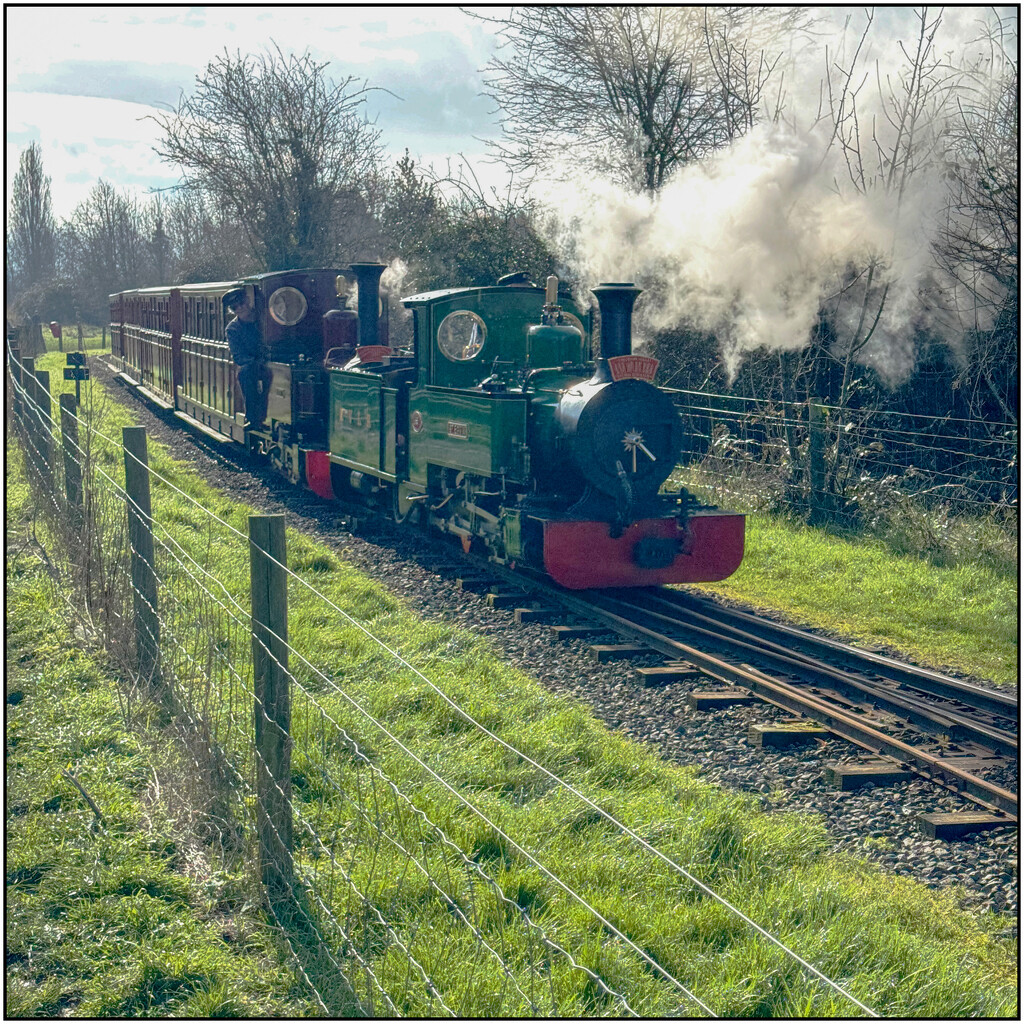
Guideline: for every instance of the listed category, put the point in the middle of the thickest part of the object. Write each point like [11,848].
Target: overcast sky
[81,80]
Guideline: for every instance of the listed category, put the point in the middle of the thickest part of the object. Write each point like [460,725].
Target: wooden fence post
[28,417]
[272,713]
[28,373]
[104,343]
[45,413]
[816,461]
[36,411]
[140,534]
[14,361]
[31,336]
[72,460]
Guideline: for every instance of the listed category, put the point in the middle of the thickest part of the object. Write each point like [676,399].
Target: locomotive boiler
[497,425]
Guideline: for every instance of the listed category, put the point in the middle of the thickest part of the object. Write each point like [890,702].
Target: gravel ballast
[878,823]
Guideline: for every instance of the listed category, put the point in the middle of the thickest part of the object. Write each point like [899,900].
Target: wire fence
[859,468]
[389,879]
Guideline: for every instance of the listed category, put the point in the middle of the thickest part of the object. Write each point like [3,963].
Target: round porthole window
[461,335]
[287,306]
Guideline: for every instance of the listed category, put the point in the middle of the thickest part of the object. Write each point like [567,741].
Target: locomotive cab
[466,335]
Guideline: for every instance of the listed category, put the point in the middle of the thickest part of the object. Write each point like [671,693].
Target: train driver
[246,345]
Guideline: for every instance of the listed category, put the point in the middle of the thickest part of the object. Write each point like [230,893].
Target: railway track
[960,736]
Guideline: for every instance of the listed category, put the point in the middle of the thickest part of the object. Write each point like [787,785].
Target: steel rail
[957,726]
[1006,705]
[791,698]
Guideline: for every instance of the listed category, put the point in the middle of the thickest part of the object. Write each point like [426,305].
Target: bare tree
[31,230]
[980,245]
[884,155]
[205,240]
[105,246]
[281,145]
[654,87]
[889,130]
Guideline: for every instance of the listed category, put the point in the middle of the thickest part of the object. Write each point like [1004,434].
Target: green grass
[896,945]
[131,917]
[962,616]
[92,339]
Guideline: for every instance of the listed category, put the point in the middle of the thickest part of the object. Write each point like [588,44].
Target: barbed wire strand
[834,408]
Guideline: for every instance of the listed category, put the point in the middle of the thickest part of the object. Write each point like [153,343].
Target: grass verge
[133,915]
[94,337]
[962,617]
[394,854]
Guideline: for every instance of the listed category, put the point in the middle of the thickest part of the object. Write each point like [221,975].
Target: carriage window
[287,306]
[461,335]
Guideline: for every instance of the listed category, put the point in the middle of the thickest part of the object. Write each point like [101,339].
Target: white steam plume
[392,280]
[392,283]
[755,242]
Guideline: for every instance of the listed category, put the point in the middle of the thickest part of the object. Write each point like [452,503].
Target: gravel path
[876,823]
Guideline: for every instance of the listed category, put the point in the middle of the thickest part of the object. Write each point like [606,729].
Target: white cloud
[429,56]
[83,139]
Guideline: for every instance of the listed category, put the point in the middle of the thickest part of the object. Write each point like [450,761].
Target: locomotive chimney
[368,279]
[616,302]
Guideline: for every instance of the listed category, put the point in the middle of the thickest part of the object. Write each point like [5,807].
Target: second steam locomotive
[497,424]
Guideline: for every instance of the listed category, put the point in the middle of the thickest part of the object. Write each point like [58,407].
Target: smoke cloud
[758,242]
[748,245]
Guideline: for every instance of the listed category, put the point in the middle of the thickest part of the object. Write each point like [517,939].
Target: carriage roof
[212,287]
[220,287]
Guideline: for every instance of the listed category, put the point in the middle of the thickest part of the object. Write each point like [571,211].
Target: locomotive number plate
[636,367]
[360,419]
[416,422]
[459,430]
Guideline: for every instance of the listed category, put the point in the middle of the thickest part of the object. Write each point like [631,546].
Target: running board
[155,397]
[203,428]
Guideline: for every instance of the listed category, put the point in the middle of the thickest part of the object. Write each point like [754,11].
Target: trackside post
[14,360]
[42,418]
[816,459]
